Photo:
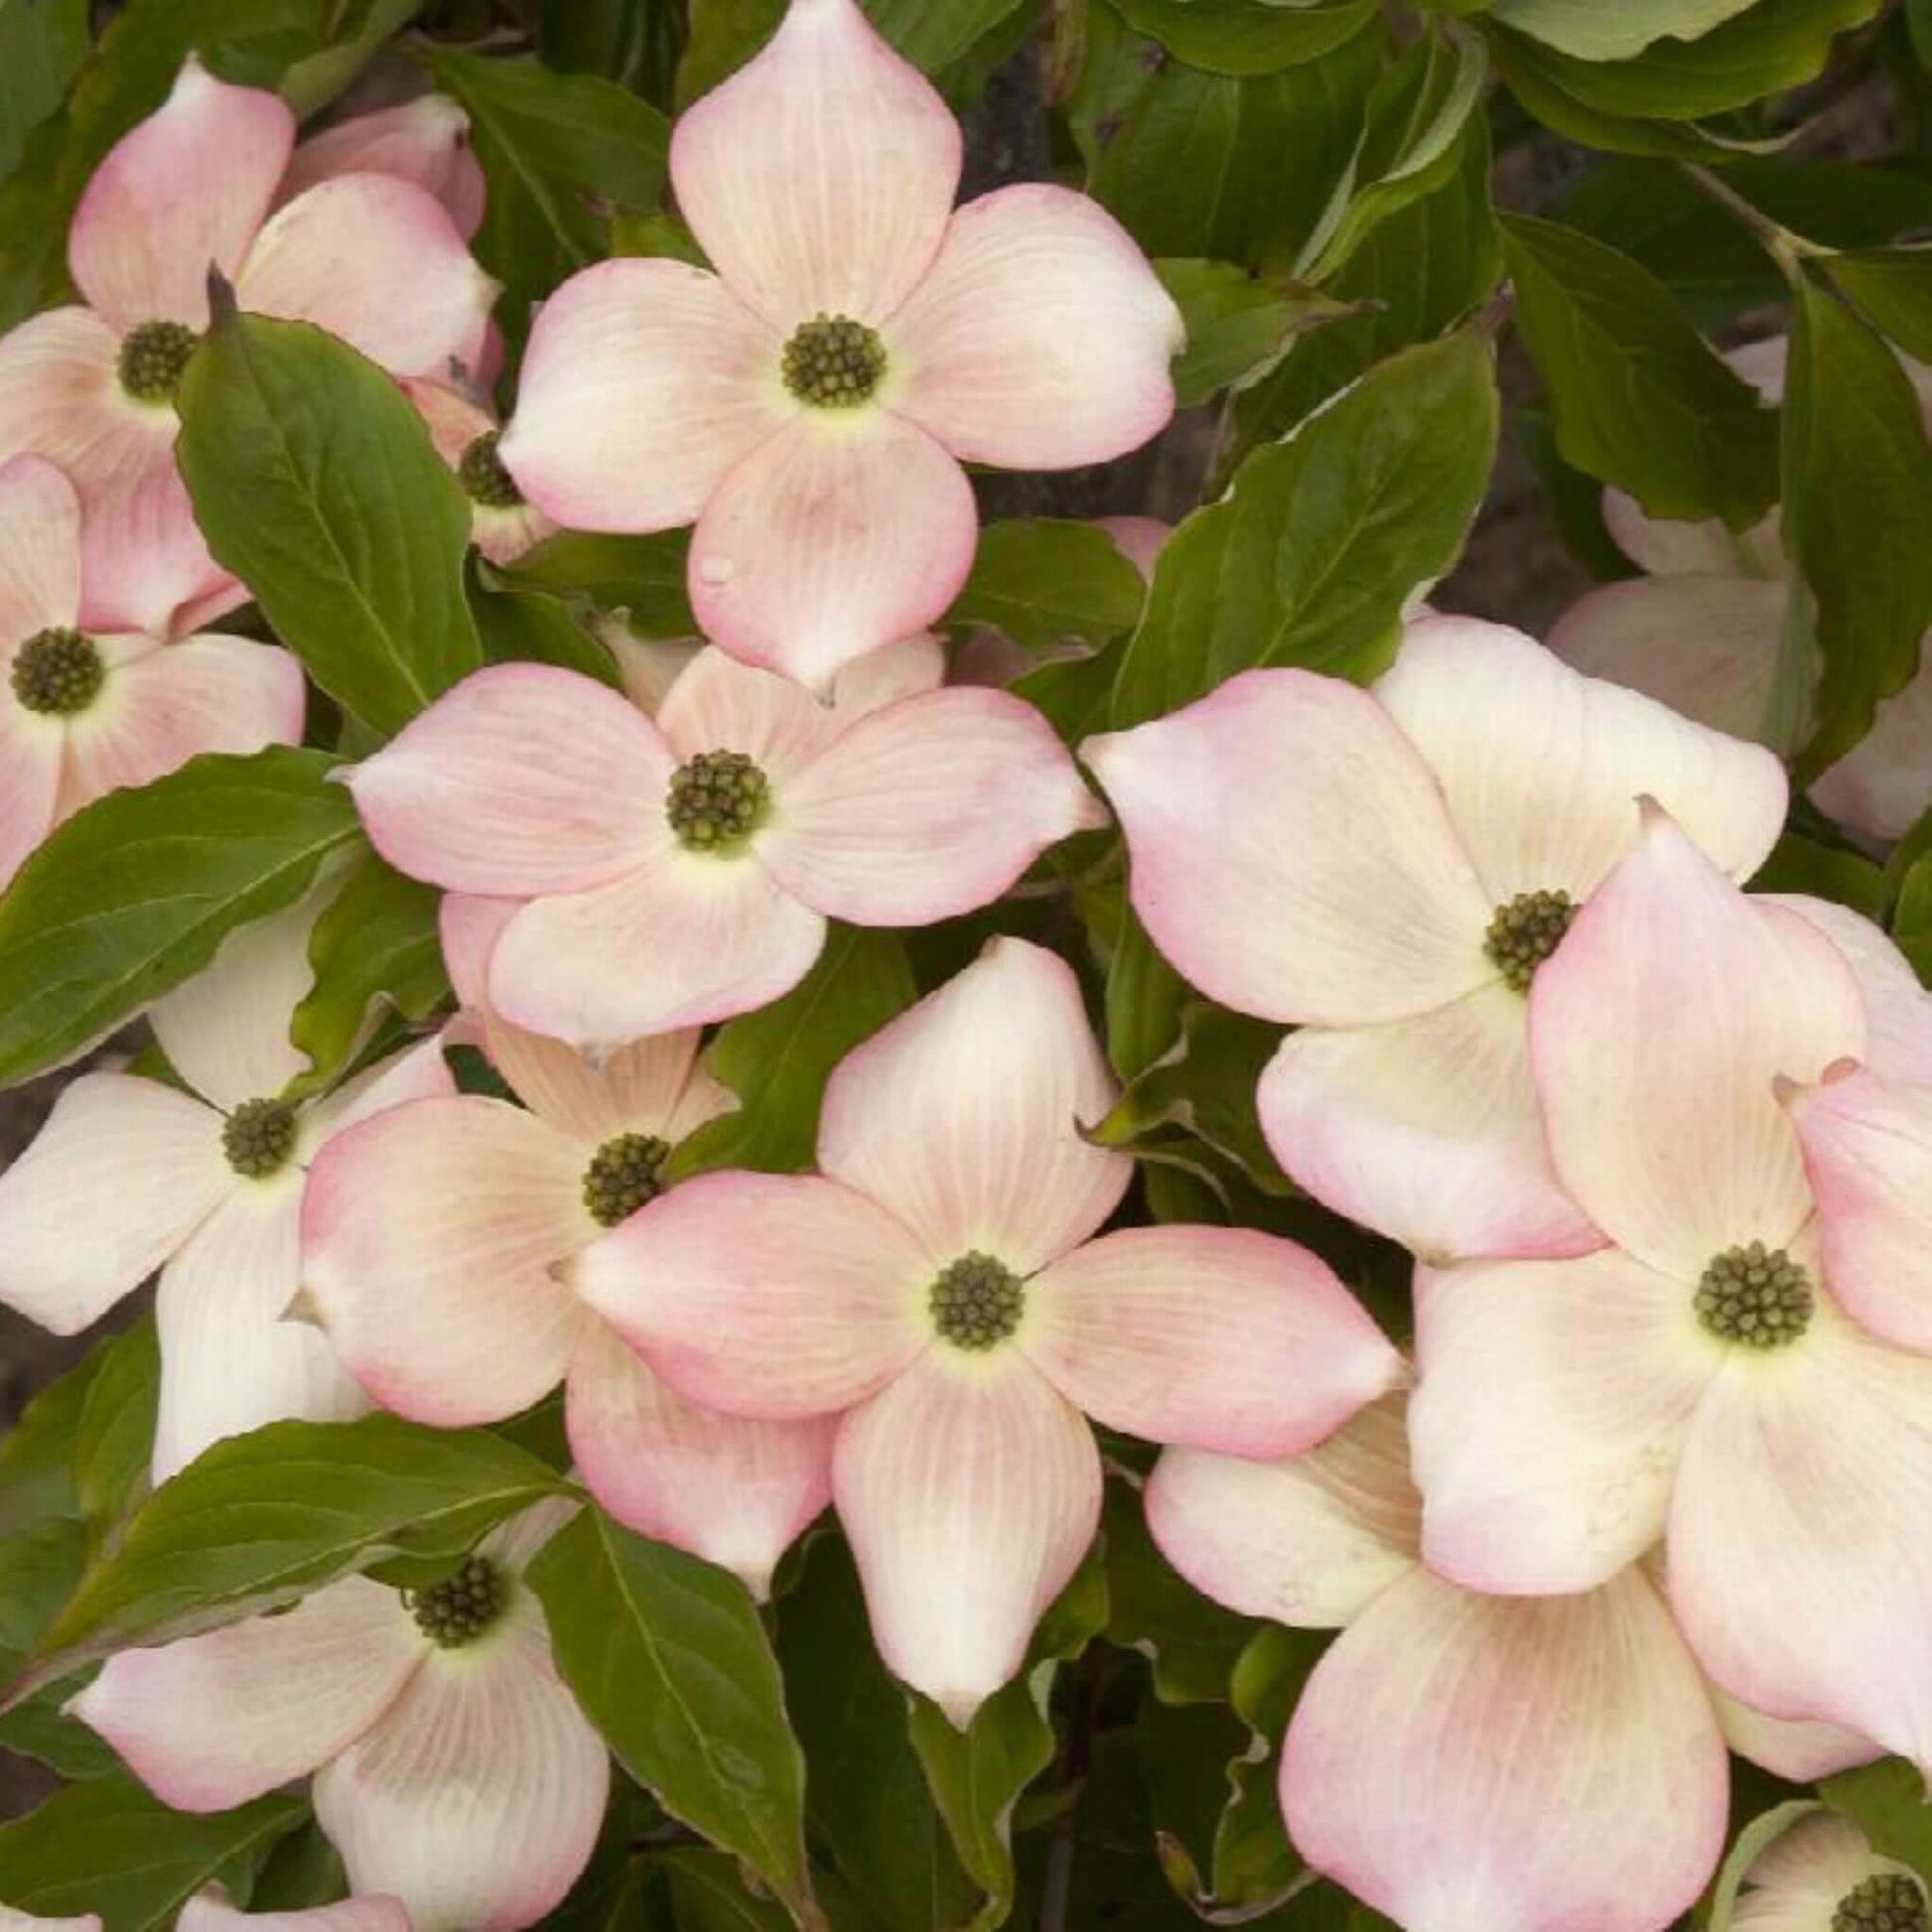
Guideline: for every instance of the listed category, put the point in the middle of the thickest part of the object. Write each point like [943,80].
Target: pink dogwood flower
[502,525]
[1461,1762]
[425,141]
[1388,871]
[430,1239]
[131,1174]
[86,712]
[1710,1376]
[1701,630]
[453,1770]
[1821,1874]
[810,403]
[371,257]
[938,1288]
[683,870]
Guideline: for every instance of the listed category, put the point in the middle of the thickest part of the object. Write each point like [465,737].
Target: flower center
[58,671]
[1525,932]
[977,1302]
[152,356]
[258,1138]
[717,801]
[833,362]
[624,1175]
[1889,1902]
[459,1609]
[481,473]
[1756,1297]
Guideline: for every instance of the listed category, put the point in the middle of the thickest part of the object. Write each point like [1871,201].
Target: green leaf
[133,894]
[109,1847]
[36,1482]
[1589,29]
[1238,326]
[640,579]
[1857,517]
[1753,1842]
[1041,582]
[1146,998]
[1894,287]
[315,483]
[1911,920]
[1638,398]
[114,1443]
[724,34]
[1886,1801]
[41,46]
[1253,1858]
[1802,864]
[260,1519]
[1324,536]
[777,1060]
[932,36]
[524,627]
[708,1894]
[373,951]
[360,30]
[668,1658]
[302,1869]
[1248,37]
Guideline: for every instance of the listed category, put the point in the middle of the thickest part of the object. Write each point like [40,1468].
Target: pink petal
[59,399]
[1552,1474]
[1219,1338]
[1656,1062]
[468,927]
[830,541]
[1897,1009]
[145,566]
[379,262]
[523,779]
[1462,1761]
[926,810]
[213,1721]
[1791,1748]
[428,1236]
[417,1072]
[1309,1539]
[229,1362]
[680,939]
[1040,340]
[1289,852]
[32,751]
[425,140]
[1543,768]
[645,383]
[210,1910]
[650,1086]
[648,667]
[1805,1872]
[1672,547]
[165,706]
[969,1492]
[182,191]
[1427,1130]
[883,676]
[40,550]
[1705,646]
[1791,1568]
[70,1247]
[771,1296]
[734,1491]
[1882,786]
[475,1798]
[962,1116]
[1139,539]
[820,175]
[718,704]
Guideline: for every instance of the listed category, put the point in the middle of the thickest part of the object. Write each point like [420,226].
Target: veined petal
[1792,1748]
[229,1363]
[963,1115]
[33,754]
[926,810]
[1219,1338]
[1897,1009]
[475,1798]
[1467,1763]
[59,399]
[145,564]
[182,191]
[969,1491]
[1797,1883]
[1289,852]
[1885,782]
[1656,1062]
[819,177]
[1041,338]
[1788,1567]
[523,779]
[1553,1403]
[425,140]
[1427,1130]
[734,1491]
[122,1174]
[648,667]
[428,1236]
[718,704]
[417,1072]
[1673,547]
[883,676]
[646,382]
[339,254]
[1307,1540]
[212,1910]
[213,1721]
[649,1086]
[1543,770]
[776,1295]
[40,550]
[831,539]
[468,926]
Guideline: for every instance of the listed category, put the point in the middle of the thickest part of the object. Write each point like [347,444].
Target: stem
[1787,248]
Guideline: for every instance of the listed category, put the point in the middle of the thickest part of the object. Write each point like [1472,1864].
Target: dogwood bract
[206,1186]
[1821,1875]
[937,1287]
[810,403]
[1388,872]
[682,868]
[429,1238]
[453,1771]
[84,712]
